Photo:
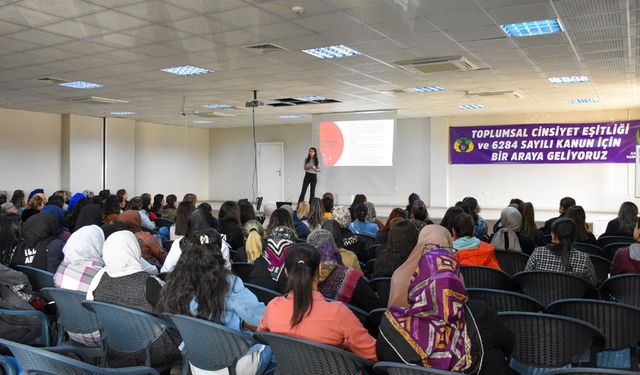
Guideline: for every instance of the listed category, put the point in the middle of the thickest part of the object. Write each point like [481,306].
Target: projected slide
[356,143]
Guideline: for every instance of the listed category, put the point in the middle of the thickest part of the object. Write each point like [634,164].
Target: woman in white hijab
[125,281]
[509,237]
[82,259]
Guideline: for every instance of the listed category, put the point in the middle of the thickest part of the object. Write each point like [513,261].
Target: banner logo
[463,144]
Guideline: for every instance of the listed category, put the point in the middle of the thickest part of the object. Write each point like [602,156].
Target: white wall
[30,152]
[83,137]
[121,153]
[171,160]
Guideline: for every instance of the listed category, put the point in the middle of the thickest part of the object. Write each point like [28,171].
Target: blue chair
[73,317]
[210,346]
[37,278]
[503,300]
[265,295]
[544,341]
[302,357]
[40,361]
[127,330]
[7,366]
[617,322]
[45,335]
[393,368]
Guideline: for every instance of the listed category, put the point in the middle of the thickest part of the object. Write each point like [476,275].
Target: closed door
[270,171]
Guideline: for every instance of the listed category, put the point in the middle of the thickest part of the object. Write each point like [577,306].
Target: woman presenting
[311,174]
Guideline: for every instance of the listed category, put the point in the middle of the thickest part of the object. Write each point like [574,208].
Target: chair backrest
[589,249]
[486,277]
[382,286]
[548,286]
[265,295]
[160,222]
[127,330]
[605,240]
[373,320]
[503,300]
[242,270]
[208,345]
[72,316]
[623,288]
[551,341]
[302,357]
[511,262]
[617,322]
[586,370]
[37,278]
[601,266]
[393,368]
[612,248]
[371,252]
[39,361]
[369,267]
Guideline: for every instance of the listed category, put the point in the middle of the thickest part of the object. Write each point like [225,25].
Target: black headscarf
[37,234]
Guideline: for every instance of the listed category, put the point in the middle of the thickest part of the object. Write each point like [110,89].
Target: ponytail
[253,245]
[302,264]
[565,231]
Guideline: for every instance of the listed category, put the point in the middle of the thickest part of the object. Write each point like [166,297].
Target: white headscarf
[84,246]
[511,220]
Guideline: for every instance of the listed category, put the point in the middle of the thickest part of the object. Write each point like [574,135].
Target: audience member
[449,217]
[327,206]
[40,247]
[10,236]
[190,197]
[627,259]
[529,227]
[176,251]
[349,258]
[168,211]
[403,238]
[89,214]
[280,217]
[183,219]
[267,269]
[508,237]
[254,235]
[158,203]
[18,200]
[62,232]
[111,209]
[146,207]
[316,214]
[351,241]
[514,202]
[480,228]
[357,199]
[625,223]
[151,247]
[137,204]
[577,214]
[469,249]
[247,212]
[372,215]
[361,226]
[203,215]
[8,208]
[565,203]
[383,234]
[299,220]
[412,198]
[420,215]
[124,202]
[229,224]
[35,204]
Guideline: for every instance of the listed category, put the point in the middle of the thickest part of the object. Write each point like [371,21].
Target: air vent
[53,80]
[494,94]
[439,64]
[264,48]
[98,100]
[287,102]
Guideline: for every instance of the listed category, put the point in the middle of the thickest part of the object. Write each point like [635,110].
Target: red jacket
[484,255]
[622,263]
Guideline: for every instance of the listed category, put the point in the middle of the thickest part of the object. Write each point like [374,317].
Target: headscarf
[36,191]
[511,220]
[278,245]
[7,207]
[336,280]
[37,233]
[131,218]
[434,322]
[122,255]
[82,259]
[88,193]
[334,228]
[75,199]
[342,215]
[90,214]
[58,213]
[429,235]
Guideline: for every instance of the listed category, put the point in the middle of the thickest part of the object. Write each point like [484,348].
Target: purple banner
[605,142]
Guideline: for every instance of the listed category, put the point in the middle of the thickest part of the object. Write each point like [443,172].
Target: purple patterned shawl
[434,324]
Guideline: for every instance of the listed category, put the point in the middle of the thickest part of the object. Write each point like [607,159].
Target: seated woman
[267,269]
[361,226]
[229,224]
[420,215]
[627,259]
[168,211]
[300,220]
[337,281]
[315,217]
[35,204]
[479,224]
[40,246]
[624,224]
[508,237]
[583,235]
[383,234]
[254,237]
[280,218]
[403,237]
[529,228]
[560,256]
[372,215]
[123,281]
[182,216]
[475,340]
[201,286]
[62,232]
[351,241]
[449,215]
[10,236]
[304,313]
[137,204]
[90,214]
[111,209]
[470,251]
[152,250]
[349,258]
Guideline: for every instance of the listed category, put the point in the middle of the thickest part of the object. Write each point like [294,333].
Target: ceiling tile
[155,11]
[327,22]
[8,28]
[571,8]
[247,16]
[200,25]
[596,21]
[39,36]
[25,16]
[117,40]
[283,8]
[206,6]
[74,29]
[65,9]
[382,13]
[278,31]
[111,20]
[156,33]
[523,13]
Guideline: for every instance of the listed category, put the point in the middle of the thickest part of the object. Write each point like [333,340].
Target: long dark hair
[199,275]
[315,156]
[18,199]
[302,263]
[577,214]
[171,201]
[472,203]
[627,217]
[449,217]
[395,213]
[9,236]
[528,227]
[229,213]
[246,211]
[565,231]
[315,213]
[146,202]
[183,218]
[157,203]
[111,205]
[136,204]
[403,237]
[412,198]
[280,217]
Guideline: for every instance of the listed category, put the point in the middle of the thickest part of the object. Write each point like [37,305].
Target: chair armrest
[44,321]
[7,366]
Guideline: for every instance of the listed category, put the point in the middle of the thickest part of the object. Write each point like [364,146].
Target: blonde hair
[303,209]
[36,201]
[254,234]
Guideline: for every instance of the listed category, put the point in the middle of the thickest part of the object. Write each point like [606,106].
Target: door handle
[279,172]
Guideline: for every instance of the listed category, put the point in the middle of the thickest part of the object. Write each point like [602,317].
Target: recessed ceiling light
[470,106]
[425,89]
[81,85]
[291,117]
[218,106]
[187,70]
[531,28]
[331,52]
[584,101]
[310,98]
[124,113]
[572,79]
[203,122]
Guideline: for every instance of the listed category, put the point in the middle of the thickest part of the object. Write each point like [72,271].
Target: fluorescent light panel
[291,117]
[532,28]
[425,89]
[470,106]
[584,101]
[203,121]
[572,79]
[81,85]
[331,52]
[310,98]
[218,106]
[124,113]
[187,70]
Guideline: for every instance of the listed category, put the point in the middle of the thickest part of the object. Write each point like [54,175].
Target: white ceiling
[123,44]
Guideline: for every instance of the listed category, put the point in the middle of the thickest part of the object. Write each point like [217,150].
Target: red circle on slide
[331,143]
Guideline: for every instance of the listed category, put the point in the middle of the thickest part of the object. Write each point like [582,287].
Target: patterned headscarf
[434,322]
[278,245]
[322,240]
[342,215]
